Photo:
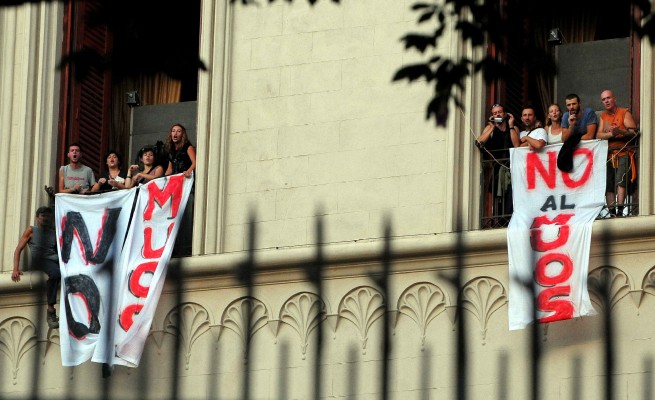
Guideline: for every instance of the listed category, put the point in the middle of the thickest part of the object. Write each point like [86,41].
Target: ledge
[482,247]
[410,254]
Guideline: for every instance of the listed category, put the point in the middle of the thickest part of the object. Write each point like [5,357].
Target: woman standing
[181,154]
[111,179]
[554,124]
[182,159]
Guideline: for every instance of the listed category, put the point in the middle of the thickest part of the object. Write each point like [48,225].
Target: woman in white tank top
[554,124]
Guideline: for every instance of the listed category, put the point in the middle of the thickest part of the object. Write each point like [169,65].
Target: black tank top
[498,143]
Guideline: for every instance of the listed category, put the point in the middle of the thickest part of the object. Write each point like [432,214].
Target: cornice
[436,252]
[410,253]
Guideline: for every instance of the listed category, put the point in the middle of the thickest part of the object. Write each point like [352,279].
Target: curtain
[156,89]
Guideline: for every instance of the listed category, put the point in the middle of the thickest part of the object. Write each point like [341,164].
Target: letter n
[74,226]
[534,164]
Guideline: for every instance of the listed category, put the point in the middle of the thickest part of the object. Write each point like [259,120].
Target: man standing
[75,177]
[531,136]
[495,142]
[617,126]
[41,239]
[575,123]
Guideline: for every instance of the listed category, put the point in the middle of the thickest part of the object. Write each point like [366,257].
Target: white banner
[112,273]
[549,235]
[147,250]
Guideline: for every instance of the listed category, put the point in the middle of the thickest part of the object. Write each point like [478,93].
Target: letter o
[567,269]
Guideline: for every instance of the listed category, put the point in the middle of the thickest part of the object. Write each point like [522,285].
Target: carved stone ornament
[17,337]
[241,311]
[303,312]
[362,306]
[193,322]
[482,297]
[618,286]
[422,302]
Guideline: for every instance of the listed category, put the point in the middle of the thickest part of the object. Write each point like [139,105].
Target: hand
[102,181]
[50,190]
[510,119]
[616,131]
[77,187]
[188,173]
[15,276]
[112,182]
[134,167]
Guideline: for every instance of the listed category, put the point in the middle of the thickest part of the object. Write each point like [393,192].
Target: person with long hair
[181,153]
[150,170]
[554,124]
[182,159]
[111,179]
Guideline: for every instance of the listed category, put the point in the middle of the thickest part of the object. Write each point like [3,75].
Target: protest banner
[114,250]
[549,235]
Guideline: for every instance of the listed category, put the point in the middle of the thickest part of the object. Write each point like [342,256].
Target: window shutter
[90,89]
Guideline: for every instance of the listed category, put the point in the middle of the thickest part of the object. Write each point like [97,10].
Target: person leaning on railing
[618,127]
[182,159]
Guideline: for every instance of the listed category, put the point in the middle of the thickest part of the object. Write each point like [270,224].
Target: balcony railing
[496,189]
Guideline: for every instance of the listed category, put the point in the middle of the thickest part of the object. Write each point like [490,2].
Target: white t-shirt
[537,133]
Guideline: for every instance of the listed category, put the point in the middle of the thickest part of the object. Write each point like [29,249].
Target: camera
[497,119]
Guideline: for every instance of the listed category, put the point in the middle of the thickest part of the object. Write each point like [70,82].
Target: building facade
[298,118]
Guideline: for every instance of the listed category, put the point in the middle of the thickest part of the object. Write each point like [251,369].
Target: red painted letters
[150,256]
[549,175]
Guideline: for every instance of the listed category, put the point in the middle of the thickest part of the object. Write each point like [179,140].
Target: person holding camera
[496,135]
[494,142]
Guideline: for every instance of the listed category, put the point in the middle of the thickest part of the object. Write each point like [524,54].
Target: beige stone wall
[314,125]
[30,45]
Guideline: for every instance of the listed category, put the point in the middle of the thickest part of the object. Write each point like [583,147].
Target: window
[598,51]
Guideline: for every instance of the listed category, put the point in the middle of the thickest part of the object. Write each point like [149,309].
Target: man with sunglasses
[495,142]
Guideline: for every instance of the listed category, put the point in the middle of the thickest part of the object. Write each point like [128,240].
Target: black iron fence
[247,273]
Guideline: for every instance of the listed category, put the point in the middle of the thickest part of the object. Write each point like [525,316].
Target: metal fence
[246,273]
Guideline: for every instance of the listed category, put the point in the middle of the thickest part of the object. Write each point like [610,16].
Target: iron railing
[496,192]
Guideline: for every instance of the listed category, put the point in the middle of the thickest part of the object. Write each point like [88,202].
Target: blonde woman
[554,124]
[182,154]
